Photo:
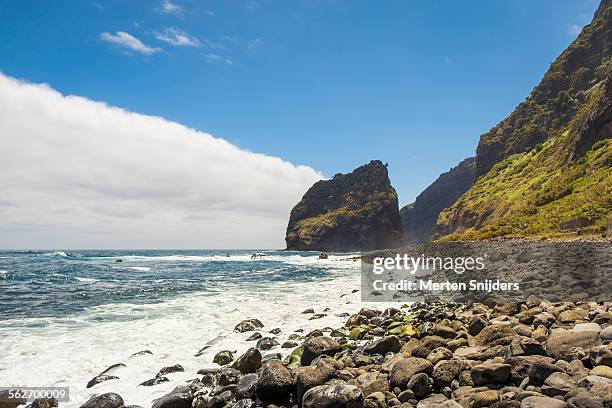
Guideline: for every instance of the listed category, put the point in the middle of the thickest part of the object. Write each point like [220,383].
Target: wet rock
[245,388]
[289,344]
[312,376]
[383,346]
[276,330]
[491,373]
[248,325]
[495,334]
[228,376]
[404,369]
[266,343]
[254,336]
[444,331]
[432,342]
[540,370]
[333,396]
[446,371]
[244,403]
[524,346]
[275,383]
[308,311]
[41,403]
[317,316]
[317,346]
[271,356]
[108,400]
[371,382]
[112,368]
[438,354]
[420,384]
[223,357]
[170,369]
[249,362]
[99,379]
[154,381]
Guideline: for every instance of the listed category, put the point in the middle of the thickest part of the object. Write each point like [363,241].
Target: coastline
[248,349]
[532,354]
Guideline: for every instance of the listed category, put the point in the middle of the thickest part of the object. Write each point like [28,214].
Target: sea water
[65,316]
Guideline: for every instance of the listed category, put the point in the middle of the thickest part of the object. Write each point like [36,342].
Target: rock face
[350,212]
[556,99]
[545,168]
[419,217]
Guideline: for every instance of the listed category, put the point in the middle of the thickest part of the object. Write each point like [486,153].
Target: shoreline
[511,354]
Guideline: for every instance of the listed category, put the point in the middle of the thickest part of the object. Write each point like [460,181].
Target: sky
[190,123]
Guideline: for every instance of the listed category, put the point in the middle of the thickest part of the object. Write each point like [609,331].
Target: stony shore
[531,354]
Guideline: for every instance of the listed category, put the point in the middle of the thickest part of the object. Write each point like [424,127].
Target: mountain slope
[552,104]
[547,168]
[419,217]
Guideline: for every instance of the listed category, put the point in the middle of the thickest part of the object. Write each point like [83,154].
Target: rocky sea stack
[350,212]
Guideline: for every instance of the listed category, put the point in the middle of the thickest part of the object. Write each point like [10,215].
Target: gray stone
[333,396]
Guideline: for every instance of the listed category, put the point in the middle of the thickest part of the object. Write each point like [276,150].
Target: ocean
[65,316]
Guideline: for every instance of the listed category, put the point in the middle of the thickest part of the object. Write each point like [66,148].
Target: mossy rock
[358,333]
[408,331]
[337,333]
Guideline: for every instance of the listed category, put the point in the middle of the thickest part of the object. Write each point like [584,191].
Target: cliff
[547,168]
[419,217]
[557,99]
[350,212]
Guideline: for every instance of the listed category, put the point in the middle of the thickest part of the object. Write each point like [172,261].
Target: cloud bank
[82,174]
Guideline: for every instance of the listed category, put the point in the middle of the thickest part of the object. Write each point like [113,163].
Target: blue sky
[330,84]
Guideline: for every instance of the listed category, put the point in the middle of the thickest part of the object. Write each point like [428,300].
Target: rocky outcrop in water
[419,217]
[351,212]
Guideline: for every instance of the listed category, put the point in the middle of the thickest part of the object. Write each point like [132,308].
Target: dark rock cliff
[556,100]
[350,212]
[419,217]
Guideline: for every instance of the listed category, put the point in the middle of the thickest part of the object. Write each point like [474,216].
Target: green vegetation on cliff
[546,170]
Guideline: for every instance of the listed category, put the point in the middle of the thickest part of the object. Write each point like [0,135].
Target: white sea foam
[140,268]
[86,280]
[69,351]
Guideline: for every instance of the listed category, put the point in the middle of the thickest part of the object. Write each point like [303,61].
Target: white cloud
[213,57]
[574,29]
[170,8]
[128,41]
[78,173]
[177,37]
